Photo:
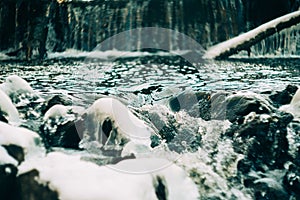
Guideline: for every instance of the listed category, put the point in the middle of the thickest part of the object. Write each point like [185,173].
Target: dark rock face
[8,182]
[200,104]
[2,117]
[30,189]
[283,97]
[292,180]
[66,134]
[15,151]
[259,132]
[56,99]
[240,105]
[263,140]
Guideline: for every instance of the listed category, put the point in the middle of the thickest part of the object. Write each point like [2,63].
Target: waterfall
[284,43]
[37,25]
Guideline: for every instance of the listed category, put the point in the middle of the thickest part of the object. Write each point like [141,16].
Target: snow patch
[28,140]
[75,179]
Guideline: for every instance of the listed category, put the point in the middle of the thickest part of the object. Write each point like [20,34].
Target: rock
[268,188]
[55,100]
[163,120]
[20,143]
[291,180]
[240,105]
[29,188]
[15,151]
[16,85]
[20,92]
[262,139]
[283,97]
[111,123]
[2,117]
[61,126]
[8,182]
[179,135]
[197,104]
[200,104]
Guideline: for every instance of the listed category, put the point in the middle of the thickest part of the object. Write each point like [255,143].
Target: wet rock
[291,180]
[200,104]
[269,188]
[8,182]
[179,135]
[192,102]
[262,139]
[62,127]
[240,105]
[55,100]
[164,122]
[283,97]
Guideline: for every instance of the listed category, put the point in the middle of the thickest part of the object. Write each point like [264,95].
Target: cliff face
[32,27]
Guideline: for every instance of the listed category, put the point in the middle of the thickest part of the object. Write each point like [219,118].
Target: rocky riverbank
[201,145]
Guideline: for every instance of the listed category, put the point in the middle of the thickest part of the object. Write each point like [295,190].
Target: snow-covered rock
[62,111]
[294,106]
[111,122]
[7,107]
[28,140]
[296,97]
[74,179]
[16,85]
[20,92]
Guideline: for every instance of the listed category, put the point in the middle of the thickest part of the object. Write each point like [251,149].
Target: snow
[28,140]
[294,107]
[7,107]
[57,111]
[5,158]
[122,119]
[222,47]
[75,179]
[296,97]
[15,85]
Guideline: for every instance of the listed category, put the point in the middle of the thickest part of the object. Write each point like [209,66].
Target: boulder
[283,97]
[61,126]
[200,104]
[241,104]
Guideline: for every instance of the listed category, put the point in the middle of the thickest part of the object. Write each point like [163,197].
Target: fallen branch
[248,39]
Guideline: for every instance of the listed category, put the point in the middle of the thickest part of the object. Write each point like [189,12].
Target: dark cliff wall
[34,26]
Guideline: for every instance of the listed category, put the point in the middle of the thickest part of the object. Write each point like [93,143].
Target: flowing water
[153,77]
[147,81]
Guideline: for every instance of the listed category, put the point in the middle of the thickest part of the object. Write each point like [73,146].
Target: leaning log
[248,39]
